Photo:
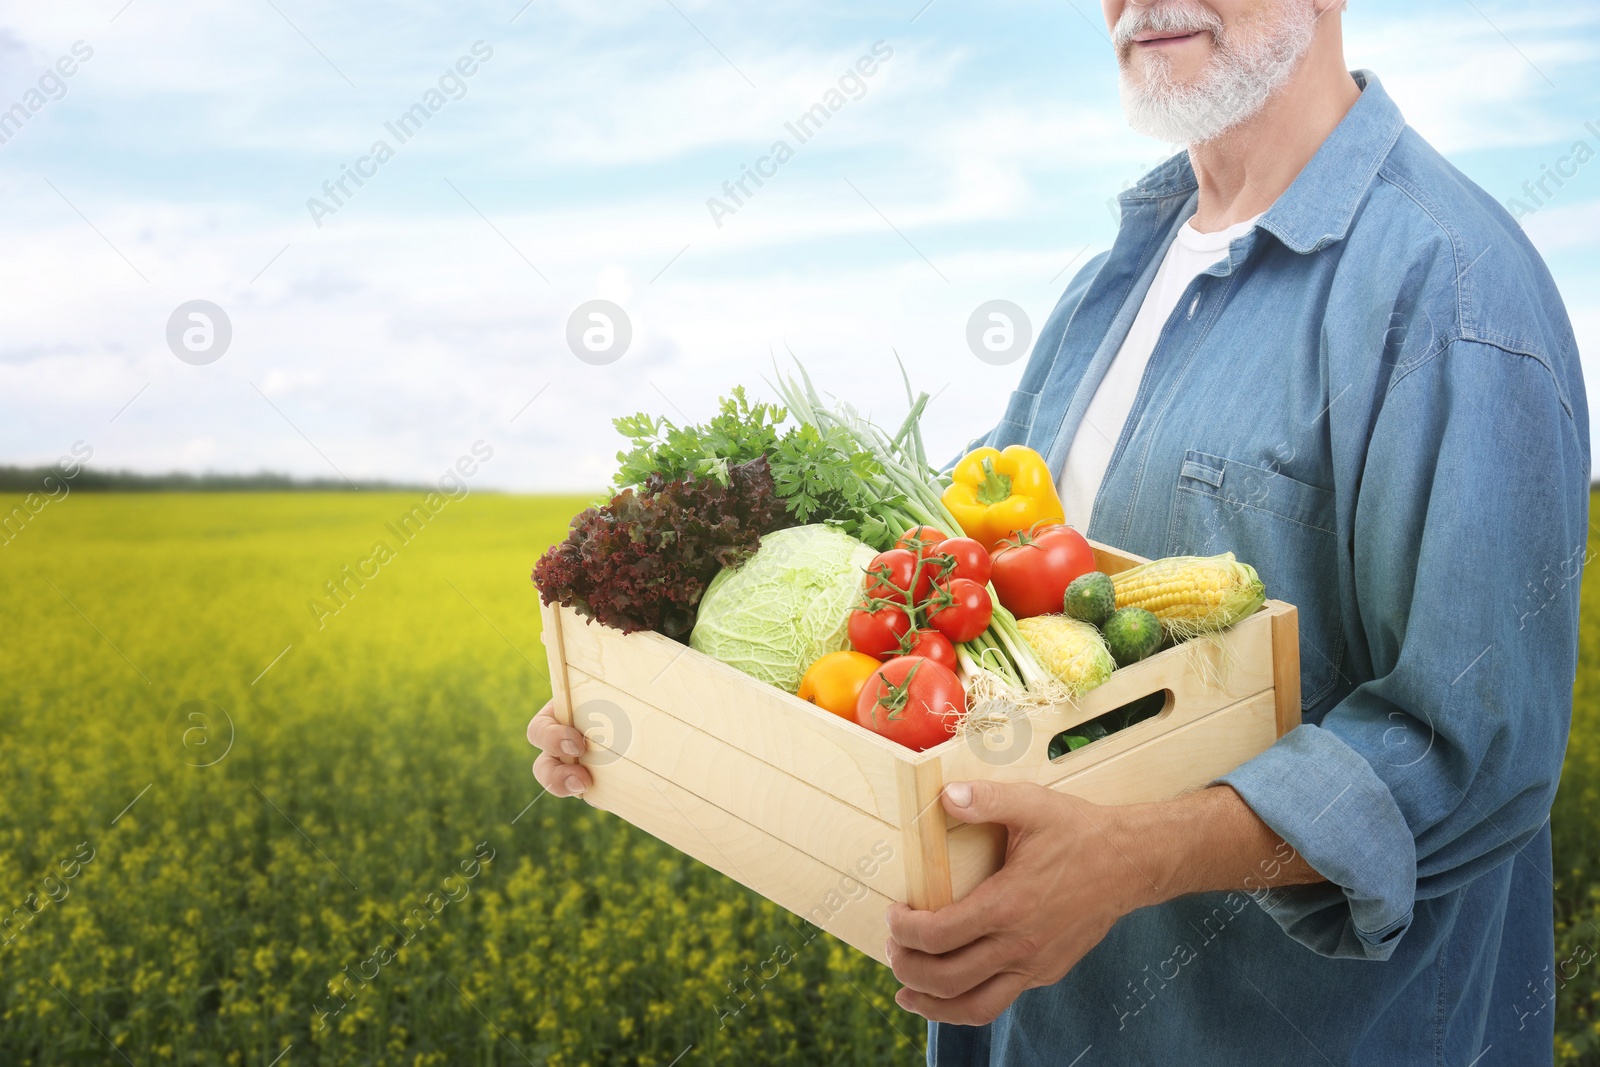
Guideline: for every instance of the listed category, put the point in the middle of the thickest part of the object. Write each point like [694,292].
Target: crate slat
[837,902]
[853,764]
[773,801]
[1164,765]
[1203,675]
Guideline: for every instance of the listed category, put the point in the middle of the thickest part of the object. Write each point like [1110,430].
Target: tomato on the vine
[900,575]
[960,609]
[913,701]
[923,540]
[879,631]
[967,559]
[930,644]
[1033,569]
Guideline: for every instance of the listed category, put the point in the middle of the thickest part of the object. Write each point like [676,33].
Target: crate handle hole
[1154,705]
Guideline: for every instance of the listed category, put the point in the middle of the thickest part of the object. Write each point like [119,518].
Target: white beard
[1235,85]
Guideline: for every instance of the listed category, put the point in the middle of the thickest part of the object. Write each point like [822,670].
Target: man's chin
[1157,74]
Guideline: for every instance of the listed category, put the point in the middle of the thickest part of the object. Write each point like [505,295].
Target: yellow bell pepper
[994,494]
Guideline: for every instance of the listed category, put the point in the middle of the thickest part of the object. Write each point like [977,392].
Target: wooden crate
[832,821]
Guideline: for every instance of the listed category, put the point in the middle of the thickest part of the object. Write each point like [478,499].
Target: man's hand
[1066,879]
[1072,869]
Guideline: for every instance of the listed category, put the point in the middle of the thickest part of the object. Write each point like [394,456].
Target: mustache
[1163,18]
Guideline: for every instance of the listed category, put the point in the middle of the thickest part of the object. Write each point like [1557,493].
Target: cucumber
[1140,710]
[1063,742]
[1090,598]
[1132,634]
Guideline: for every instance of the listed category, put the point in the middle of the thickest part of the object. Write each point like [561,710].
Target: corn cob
[1073,651]
[1192,594]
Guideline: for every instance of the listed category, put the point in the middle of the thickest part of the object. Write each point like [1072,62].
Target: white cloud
[1466,83]
[406,327]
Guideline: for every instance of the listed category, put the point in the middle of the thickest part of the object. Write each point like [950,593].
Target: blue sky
[976,162]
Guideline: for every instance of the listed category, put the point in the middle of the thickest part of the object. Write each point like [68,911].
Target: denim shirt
[1376,400]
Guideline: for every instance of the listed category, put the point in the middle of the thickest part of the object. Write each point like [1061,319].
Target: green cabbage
[786,607]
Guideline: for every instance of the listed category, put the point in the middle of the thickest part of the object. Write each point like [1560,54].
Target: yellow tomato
[835,681]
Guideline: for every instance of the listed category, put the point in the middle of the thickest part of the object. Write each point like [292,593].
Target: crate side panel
[1204,675]
[839,757]
[837,902]
[1180,760]
[788,808]
[1110,560]
[1173,762]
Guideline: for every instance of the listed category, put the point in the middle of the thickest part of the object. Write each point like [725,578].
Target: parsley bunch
[738,433]
[819,474]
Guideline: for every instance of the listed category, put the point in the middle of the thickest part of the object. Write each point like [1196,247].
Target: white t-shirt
[1096,437]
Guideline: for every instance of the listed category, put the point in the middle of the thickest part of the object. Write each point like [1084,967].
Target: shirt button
[1194,305]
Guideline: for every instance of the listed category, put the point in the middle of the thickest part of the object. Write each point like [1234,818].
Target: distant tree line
[30,479]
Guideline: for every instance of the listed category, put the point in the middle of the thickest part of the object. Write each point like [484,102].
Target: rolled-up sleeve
[1468,537]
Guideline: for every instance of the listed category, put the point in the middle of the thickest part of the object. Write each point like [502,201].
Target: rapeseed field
[236,824]
[267,801]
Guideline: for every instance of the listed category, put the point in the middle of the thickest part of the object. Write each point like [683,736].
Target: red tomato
[960,609]
[921,540]
[879,633]
[899,575]
[969,559]
[913,701]
[1032,570]
[930,644]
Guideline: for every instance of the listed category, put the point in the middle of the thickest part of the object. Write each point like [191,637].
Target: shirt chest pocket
[1283,527]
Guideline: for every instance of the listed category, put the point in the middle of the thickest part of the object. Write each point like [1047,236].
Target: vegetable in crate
[1063,743]
[1091,598]
[923,540]
[819,472]
[1192,594]
[1132,634]
[930,645]
[912,701]
[909,493]
[900,575]
[963,557]
[787,607]
[993,494]
[1071,650]
[878,630]
[960,609]
[1032,570]
[835,681]
[643,561]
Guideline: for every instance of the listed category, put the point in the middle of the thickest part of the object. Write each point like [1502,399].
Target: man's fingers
[561,779]
[548,735]
[986,909]
[982,1005]
[1012,804]
[956,973]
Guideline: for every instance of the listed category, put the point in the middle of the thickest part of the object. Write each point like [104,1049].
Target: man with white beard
[1316,344]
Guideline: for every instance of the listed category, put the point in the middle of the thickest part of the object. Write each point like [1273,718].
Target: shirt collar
[1319,206]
